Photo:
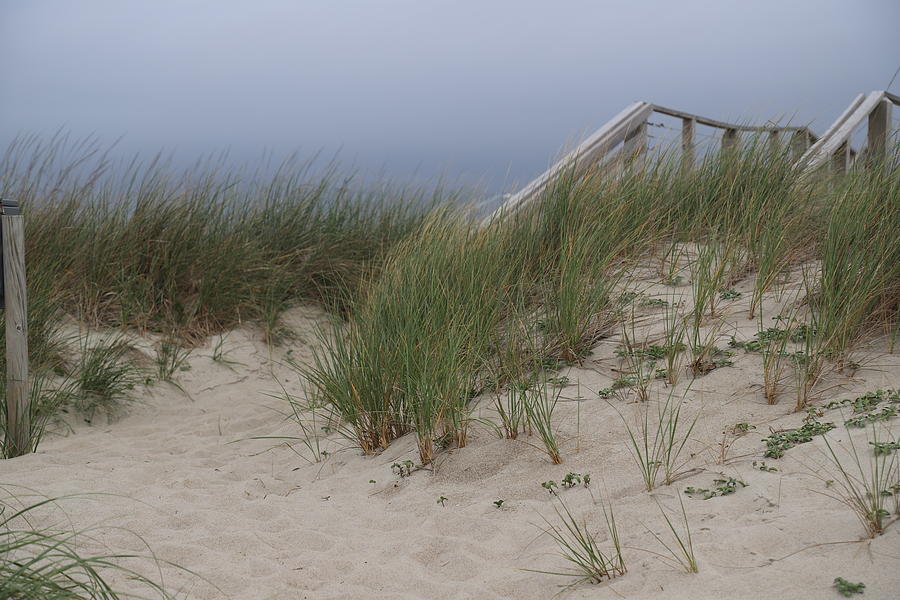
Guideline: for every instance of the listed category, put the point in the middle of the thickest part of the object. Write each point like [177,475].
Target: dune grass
[557,263]
[48,563]
[433,308]
[586,560]
[187,253]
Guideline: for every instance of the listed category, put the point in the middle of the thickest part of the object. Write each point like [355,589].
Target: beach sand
[257,520]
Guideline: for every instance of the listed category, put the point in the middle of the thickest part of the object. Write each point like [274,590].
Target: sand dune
[257,521]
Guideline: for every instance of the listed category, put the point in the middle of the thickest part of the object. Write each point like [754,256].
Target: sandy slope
[263,523]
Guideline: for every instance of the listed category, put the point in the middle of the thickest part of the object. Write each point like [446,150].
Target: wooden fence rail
[629,128]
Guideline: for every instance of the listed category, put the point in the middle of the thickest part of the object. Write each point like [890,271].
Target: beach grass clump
[431,307]
[658,439]
[865,485]
[587,561]
[540,402]
[681,548]
[105,375]
[49,563]
[411,357]
[857,285]
[191,252]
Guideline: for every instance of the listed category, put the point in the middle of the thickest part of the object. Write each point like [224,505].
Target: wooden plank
[583,156]
[721,124]
[879,132]
[688,156]
[18,410]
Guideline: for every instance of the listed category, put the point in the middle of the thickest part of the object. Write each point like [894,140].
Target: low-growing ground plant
[847,588]
[403,469]
[779,442]
[722,487]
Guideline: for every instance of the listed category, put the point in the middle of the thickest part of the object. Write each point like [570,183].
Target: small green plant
[673,280]
[846,588]
[550,486]
[561,381]
[403,469]
[499,503]
[729,294]
[867,401]
[573,479]
[606,393]
[442,500]
[725,487]
[780,442]
[884,447]
[888,412]
[655,302]
[762,466]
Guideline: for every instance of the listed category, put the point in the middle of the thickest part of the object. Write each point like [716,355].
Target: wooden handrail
[721,124]
[629,128]
[834,146]
[809,151]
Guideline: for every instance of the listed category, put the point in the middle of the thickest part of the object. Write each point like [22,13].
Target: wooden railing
[627,134]
[834,146]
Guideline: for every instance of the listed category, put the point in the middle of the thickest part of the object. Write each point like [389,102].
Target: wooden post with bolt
[18,409]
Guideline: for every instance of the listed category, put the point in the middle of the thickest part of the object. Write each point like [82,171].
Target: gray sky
[468,89]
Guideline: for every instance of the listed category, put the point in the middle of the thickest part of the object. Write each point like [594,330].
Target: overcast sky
[467,89]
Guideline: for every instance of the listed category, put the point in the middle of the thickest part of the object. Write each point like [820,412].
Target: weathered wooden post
[730,141]
[774,142]
[799,144]
[635,146]
[688,160]
[18,409]
[879,127]
[840,161]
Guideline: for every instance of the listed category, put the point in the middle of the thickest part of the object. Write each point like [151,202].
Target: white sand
[262,523]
